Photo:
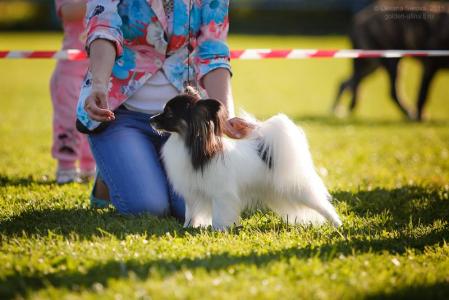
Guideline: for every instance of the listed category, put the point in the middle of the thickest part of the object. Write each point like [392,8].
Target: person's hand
[96,104]
[238,128]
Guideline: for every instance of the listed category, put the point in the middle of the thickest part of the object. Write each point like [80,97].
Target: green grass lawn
[389,179]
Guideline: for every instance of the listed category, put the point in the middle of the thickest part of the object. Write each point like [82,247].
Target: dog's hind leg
[304,204]
[294,213]
[426,80]
[322,206]
[391,65]
[343,86]
[361,69]
[306,208]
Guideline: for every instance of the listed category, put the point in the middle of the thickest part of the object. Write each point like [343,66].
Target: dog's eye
[169,114]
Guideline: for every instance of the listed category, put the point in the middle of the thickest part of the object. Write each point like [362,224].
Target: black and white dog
[220,177]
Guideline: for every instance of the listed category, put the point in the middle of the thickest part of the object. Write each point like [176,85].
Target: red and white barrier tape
[313,53]
[248,54]
[71,54]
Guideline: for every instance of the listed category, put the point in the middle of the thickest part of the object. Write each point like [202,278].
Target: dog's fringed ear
[206,130]
[211,110]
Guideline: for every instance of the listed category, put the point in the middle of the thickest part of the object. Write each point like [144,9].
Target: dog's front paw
[187,224]
[197,223]
[224,226]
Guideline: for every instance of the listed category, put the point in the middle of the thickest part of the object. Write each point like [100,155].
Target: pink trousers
[69,146]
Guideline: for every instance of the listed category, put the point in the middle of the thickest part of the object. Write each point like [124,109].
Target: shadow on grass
[19,284]
[425,204]
[23,181]
[439,290]
[416,204]
[87,223]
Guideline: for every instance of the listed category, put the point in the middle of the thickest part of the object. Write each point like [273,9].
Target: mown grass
[389,178]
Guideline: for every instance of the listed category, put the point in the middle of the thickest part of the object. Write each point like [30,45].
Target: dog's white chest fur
[235,169]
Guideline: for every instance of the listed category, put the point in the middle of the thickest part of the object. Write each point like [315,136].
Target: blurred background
[307,87]
[255,16]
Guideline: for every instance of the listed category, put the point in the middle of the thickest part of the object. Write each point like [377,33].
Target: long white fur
[238,178]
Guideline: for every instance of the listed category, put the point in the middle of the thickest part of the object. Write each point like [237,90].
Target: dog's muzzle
[154,124]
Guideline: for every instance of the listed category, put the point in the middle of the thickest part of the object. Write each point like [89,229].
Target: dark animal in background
[399,25]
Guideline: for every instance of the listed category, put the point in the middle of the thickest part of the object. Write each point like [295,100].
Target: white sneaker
[67,176]
[87,175]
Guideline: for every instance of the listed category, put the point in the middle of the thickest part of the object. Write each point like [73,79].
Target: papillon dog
[220,177]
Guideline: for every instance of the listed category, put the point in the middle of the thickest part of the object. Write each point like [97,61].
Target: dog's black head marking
[175,116]
[199,122]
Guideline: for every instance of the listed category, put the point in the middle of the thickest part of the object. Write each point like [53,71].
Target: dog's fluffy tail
[286,149]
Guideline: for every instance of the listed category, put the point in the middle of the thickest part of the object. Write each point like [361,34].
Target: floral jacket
[138,29]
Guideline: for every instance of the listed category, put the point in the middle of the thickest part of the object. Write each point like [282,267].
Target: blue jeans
[127,153]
